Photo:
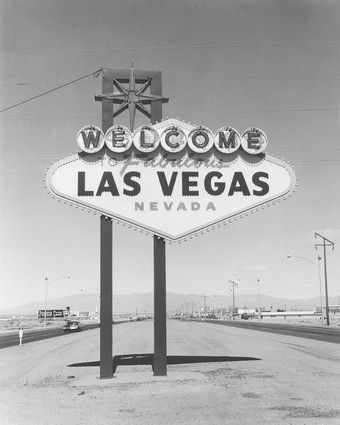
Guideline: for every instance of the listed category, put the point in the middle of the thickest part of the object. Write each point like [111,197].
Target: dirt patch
[48,381]
[251,395]
[295,398]
[306,412]
[317,354]
[237,374]
[126,410]
[228,377]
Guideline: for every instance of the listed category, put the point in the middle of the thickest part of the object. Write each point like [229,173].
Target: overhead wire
[211,112]
[95,74]
[207,77]
[178,46]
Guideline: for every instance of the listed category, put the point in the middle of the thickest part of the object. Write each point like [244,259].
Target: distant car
[71,327]
[244,316]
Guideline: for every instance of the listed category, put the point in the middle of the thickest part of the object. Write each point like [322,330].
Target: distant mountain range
[143,302]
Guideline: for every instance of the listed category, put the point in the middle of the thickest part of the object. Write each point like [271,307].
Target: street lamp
[258,291]
[51,281]
[319,272]
[326,243]
[234,284]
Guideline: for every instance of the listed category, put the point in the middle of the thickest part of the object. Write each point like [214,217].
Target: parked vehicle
[71,327]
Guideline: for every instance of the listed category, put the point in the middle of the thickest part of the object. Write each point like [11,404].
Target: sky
[271,64]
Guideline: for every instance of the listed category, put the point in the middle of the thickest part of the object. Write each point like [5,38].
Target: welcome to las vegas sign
[171,179]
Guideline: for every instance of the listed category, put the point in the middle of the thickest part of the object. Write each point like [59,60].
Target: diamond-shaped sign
[174,196]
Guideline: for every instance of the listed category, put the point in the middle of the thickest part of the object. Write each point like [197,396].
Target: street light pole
[320,283]
[258,291]
[324,245]
[234,284]
[46,283]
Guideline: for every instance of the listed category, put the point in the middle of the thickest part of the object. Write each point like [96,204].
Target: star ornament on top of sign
[132,98]
[171,179]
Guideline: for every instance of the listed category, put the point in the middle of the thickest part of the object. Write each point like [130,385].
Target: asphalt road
[310,332]
[11,338]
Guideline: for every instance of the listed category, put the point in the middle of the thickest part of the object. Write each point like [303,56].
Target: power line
[179,46]
[52,118]
[94,74]
[207,78]
[266,110]
[279,151]
[312,161]
[211,112]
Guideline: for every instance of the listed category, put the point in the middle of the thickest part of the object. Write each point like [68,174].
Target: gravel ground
[296,380]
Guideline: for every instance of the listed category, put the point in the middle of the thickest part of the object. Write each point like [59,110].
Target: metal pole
[46,281]
[160,346]
[234,284]
[326,287]
[106,366]
[320,284]
[324,245]
[233,303]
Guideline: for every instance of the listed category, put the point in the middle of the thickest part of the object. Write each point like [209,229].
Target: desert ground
[290,381]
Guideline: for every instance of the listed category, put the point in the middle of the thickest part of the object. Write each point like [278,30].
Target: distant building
[249,311]
[332,308]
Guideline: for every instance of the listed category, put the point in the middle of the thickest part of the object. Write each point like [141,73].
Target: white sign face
[173,197]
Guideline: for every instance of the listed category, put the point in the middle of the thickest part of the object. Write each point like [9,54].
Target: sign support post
[106,366]
[106,363]
[160,348]
[160,344]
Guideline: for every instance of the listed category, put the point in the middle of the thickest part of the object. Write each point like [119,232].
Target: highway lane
[310,332]
[30,335]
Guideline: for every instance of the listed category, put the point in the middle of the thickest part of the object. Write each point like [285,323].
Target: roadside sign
[51,313]
[171,179]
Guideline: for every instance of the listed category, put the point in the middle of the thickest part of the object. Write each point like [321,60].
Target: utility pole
[320,284]
[326,242]
[234,284]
